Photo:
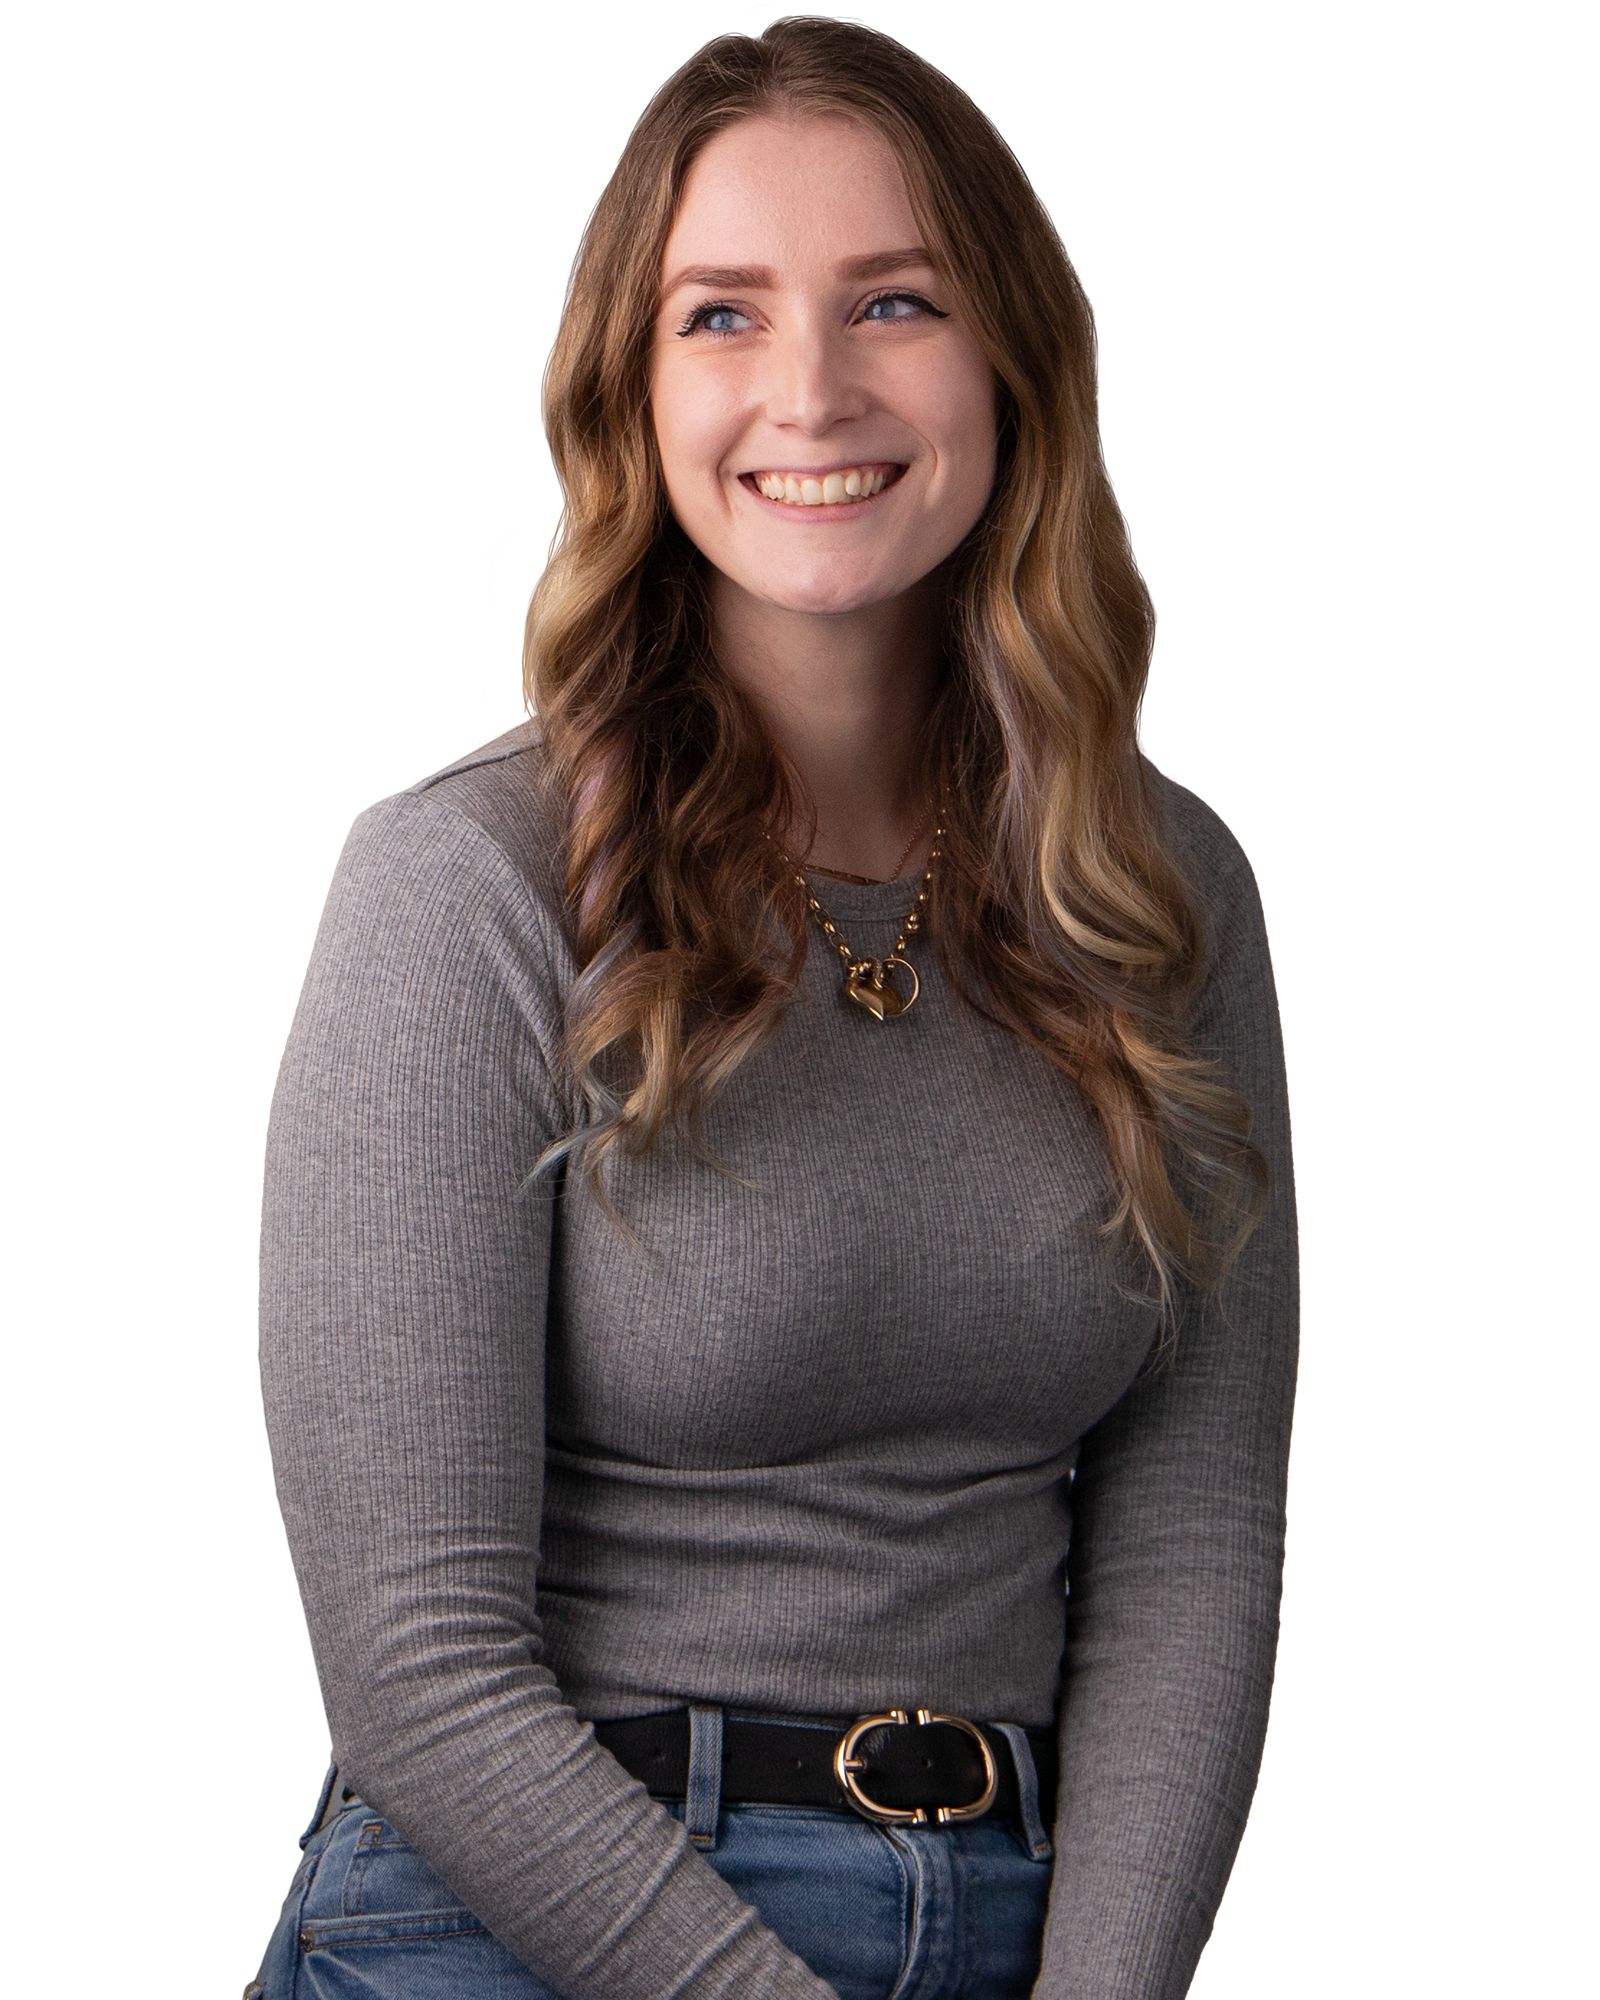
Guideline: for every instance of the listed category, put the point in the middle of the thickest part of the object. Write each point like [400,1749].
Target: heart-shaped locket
[870,984]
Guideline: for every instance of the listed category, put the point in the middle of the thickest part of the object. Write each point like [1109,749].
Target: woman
[765,1147]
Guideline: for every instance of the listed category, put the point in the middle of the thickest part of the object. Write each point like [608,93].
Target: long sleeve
[405,1273]
[1177,1547]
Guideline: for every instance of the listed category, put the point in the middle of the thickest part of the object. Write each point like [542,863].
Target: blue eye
[899,305]
[715,319]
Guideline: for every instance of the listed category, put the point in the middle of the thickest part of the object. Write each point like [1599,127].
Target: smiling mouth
[839,488]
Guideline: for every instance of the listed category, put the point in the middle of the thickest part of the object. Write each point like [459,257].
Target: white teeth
[831,490]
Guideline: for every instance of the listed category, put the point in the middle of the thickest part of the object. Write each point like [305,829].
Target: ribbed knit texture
[807,1445]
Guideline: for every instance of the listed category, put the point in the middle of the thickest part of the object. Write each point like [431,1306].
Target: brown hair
[1058,911]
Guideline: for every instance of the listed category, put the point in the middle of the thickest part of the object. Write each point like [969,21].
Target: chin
[823,602]
[832,588]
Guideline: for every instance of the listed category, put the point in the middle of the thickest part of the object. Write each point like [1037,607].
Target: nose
[814,382]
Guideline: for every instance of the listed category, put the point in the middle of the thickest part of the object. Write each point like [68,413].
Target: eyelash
[701,314]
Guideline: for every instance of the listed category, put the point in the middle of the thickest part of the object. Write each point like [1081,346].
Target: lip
[841,510]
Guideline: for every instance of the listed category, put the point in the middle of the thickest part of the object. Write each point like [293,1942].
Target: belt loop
[704,1802]
[1027,1789]
[321,1812]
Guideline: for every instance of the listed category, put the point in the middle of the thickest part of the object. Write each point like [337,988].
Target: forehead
[789,191]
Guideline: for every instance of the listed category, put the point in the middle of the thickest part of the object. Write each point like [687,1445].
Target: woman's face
[826,420]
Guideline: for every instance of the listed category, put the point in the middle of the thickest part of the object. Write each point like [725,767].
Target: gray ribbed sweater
[808,1447]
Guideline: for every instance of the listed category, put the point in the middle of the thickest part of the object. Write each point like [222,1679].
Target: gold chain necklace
[869,982]
[873,881]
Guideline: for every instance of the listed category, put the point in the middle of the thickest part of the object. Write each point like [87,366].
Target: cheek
[673,441]
[696,423]
[944,389]
[961,419]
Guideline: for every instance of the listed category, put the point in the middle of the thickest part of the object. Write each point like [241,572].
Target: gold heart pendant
[870,985]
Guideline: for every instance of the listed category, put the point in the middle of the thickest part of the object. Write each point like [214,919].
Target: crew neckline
[865,895]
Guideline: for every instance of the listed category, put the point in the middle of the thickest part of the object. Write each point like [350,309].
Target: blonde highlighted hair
[1058,911]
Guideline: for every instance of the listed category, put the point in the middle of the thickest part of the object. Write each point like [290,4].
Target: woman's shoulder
[496,800]
[1219,875]
[1200,841]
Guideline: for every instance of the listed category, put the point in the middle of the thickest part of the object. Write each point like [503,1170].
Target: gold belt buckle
[846,1764]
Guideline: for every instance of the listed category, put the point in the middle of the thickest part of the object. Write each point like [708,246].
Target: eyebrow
[762,278]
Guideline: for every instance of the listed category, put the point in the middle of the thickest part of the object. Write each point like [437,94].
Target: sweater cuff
[1119,1933]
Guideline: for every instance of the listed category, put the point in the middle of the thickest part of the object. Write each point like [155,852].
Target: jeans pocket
[385,1877]
[380,1923]
[384,1890]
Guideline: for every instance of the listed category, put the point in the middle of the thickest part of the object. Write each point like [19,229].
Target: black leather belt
[920,1769]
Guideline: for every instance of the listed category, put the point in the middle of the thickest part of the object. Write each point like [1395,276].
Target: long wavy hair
[1057,911]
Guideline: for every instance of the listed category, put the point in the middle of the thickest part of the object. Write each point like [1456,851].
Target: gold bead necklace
[869,982]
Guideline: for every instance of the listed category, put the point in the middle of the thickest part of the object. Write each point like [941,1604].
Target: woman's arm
[403,1327]
[1177,1548]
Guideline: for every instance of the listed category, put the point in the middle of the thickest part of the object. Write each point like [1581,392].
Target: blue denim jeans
[880,1912]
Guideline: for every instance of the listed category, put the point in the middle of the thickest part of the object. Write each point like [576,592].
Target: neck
[844,695]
